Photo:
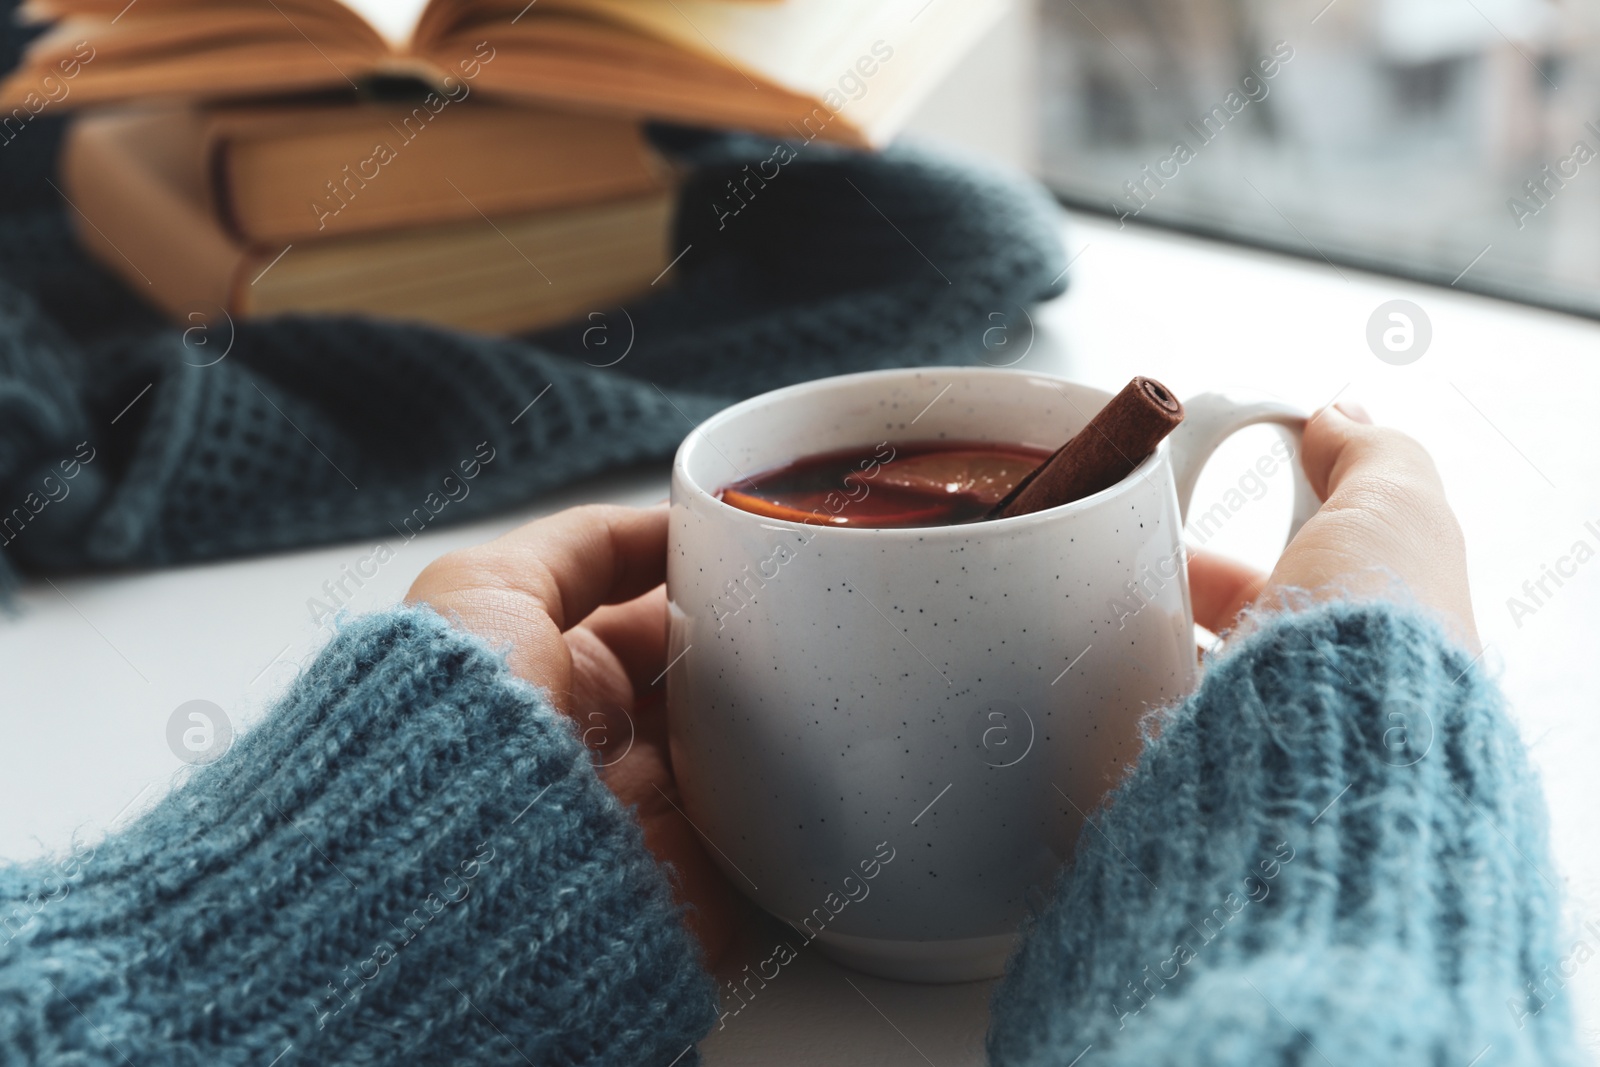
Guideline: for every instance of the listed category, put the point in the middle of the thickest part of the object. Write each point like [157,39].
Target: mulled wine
[921,483]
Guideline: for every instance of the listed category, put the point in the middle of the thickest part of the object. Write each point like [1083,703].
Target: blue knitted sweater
[1332,853]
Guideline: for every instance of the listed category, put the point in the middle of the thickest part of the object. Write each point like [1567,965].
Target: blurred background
[1401,135]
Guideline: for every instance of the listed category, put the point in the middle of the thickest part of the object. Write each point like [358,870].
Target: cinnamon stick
[1119,438]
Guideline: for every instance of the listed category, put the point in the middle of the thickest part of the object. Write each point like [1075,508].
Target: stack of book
[471,163]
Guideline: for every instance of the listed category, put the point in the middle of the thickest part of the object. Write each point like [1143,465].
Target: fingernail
[1353,411]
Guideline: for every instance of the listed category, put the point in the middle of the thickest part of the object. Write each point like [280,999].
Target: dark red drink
[920,483]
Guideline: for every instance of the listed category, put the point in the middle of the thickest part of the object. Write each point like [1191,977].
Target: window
[1457,141]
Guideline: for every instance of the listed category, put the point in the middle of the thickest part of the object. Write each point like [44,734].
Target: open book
[840,70]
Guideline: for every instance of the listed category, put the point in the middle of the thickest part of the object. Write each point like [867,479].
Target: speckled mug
[889,738]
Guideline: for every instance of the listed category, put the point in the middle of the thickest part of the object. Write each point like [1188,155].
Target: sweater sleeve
[1333,852]
[410,861]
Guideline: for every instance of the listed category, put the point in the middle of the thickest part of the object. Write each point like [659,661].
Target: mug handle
[1211,418]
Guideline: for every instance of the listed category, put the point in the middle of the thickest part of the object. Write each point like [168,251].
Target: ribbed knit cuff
[1334,851]
[411,860]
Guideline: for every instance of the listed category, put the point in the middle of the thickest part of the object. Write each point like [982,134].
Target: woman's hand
[1384,531]
[578,600]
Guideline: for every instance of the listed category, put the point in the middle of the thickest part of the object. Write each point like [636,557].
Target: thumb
[1384,518]
[1345,452]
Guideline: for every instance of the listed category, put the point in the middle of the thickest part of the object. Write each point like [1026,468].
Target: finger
[572,562]
[1221,588]
[1383,505]
[1340,450]
[617,654]
[522,590]
[636,635]
[1385,527]
[600,696]
[643,781]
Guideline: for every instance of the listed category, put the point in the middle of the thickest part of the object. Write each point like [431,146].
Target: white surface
[94,669]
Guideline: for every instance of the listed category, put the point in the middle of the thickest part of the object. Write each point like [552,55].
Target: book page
[395,20]
[799,44]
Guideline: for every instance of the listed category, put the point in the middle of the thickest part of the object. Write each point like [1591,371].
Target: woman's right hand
[1384,532]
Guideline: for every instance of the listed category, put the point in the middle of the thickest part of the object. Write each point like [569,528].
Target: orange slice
[773,510]
[986,475]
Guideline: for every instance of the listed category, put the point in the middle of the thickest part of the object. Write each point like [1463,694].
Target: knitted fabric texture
[410,861]
[315,429]
[1334,852]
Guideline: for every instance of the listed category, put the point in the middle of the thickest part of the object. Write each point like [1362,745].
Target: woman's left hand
[578,600]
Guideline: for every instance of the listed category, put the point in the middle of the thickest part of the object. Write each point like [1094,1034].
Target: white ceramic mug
[890,737]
